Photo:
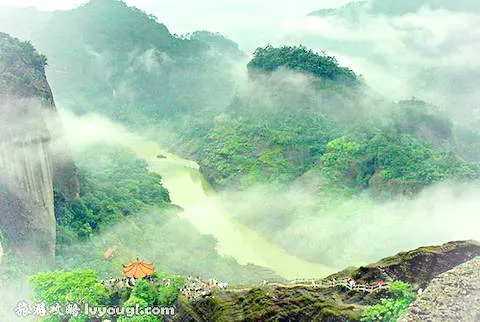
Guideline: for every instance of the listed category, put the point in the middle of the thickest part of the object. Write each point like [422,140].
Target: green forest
[114,185]
[296,146]
[120,198]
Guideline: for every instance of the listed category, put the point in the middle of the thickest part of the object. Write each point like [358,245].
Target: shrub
[68,287]
[167,295]
[144,291]
[390,309]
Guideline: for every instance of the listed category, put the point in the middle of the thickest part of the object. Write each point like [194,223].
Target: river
[201,206]
[204,210]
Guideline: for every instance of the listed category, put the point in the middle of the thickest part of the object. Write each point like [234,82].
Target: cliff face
[451,296]
[29,133]
[330,299]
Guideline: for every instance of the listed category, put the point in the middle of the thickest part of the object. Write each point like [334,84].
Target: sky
[220,6]
[430,54]
[427,53]
[247,21]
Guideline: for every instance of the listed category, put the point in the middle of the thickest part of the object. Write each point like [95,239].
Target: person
[351,282]
[131,281]
[222,285]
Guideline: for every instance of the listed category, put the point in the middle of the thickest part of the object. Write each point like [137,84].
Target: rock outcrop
[417,267]
[339,297]
[452,296]
[28,129]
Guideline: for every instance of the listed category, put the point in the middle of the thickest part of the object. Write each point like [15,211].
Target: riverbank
[203,209]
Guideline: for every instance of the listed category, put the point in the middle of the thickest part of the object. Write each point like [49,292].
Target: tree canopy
[299,58]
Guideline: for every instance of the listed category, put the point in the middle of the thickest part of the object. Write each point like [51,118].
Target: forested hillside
[106,56]
[285,157]
[297,111]
[114,185]
[288,115]
[323,119]
[123,208]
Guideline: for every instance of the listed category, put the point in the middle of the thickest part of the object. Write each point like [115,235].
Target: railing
[196,288]
[349,284]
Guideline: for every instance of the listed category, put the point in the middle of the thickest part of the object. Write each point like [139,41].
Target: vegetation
[300,59]
[390,309]
[22,69]
[67,288]
[283,133]
[247,151]
[63,287]
[109,56]
[125,208]
[83,287]
[167,294]
[243,148]
[301,112]
[158,237]
[114,184]
[261,304]
[273,133]
[390,162]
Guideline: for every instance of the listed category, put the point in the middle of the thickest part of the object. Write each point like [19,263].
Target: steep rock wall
[30,134]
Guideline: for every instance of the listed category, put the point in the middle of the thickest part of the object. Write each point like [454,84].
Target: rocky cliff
[30,135]
[339,297]
[450,297]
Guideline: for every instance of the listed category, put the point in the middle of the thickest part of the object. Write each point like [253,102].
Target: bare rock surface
[451,296]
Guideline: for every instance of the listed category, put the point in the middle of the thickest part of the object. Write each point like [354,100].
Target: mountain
[369,35]
[31,135]
[107,56]
[287,116]
[111,58]
[332,299]
[451,296]
[303,111]
[350,11]
[301,148]
[381,291]
[57,212]
[393,8]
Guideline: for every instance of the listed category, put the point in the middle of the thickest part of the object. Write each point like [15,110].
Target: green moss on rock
[283,302]
[22,70]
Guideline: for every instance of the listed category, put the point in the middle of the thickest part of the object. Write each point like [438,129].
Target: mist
[304,217]
[185,104]
[170,241]
[311,222]
[351,232]
[250,23]
[27,139]
[422,51]
[423,48]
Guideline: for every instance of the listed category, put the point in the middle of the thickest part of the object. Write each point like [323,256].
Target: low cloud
[426,53]
[358,231]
